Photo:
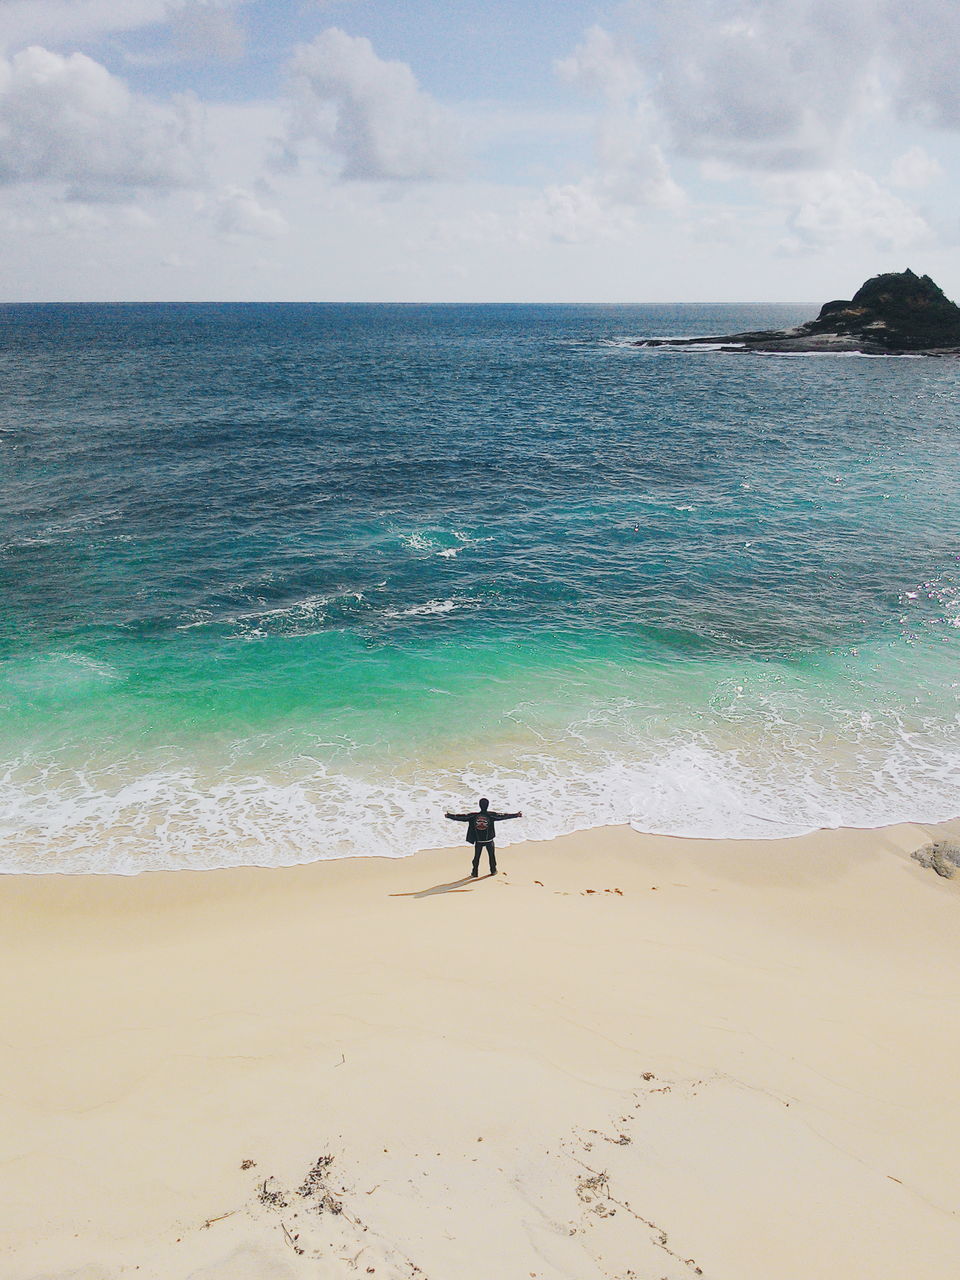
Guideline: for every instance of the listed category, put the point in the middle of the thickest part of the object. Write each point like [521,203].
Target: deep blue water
[280,582]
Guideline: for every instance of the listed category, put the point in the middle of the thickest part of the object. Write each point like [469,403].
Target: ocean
[281,583]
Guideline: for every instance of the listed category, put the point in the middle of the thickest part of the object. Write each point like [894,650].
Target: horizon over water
[283,581]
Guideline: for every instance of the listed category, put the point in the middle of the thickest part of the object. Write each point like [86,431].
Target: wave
[447,544]
[429,608]
[182,817]
[306,617]
[710,344]
[299,618]
[704,342]
[847,355]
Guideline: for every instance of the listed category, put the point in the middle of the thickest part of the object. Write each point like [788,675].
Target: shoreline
[666,1055]
[951,824]
[789,344]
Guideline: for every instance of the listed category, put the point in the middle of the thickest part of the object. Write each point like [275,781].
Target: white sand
[747,1071]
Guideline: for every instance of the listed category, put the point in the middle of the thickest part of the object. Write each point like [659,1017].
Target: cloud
[238,212]
[603,65]
[846,207]
[781,100]
[763,84]
[201,30]
[565,213]
[57,219]
[915,168]
[632,168]
[575,213]
[370,112]
[60,21]
[922,46]
[68,120]
[777,85]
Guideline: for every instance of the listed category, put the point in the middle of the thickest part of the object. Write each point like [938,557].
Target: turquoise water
[280,583]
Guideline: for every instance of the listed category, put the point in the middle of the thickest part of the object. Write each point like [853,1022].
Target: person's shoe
[473,875]
[494,871]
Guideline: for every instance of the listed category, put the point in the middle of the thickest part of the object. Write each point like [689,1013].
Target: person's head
[484,806]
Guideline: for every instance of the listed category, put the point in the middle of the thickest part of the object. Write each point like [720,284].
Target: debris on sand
[942,856]
[314,1187]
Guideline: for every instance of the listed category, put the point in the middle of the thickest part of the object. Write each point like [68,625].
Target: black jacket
[471,819]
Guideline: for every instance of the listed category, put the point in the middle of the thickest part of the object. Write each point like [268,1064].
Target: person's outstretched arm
[458,817]
[502,817]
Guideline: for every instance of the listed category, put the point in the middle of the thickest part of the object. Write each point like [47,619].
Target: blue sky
[643,151]
[497,50]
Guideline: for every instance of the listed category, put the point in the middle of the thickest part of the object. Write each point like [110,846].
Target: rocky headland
[899,313]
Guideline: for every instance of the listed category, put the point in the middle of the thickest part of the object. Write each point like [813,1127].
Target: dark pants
[477,849]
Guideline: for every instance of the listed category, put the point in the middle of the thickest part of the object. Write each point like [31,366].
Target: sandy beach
[625,1056]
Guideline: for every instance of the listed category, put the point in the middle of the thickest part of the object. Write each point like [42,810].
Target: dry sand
[624,1056]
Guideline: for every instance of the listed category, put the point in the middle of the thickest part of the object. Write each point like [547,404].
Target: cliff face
[900,311]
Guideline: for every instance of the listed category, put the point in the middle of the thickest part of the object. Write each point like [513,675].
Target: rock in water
[896,313]
[899,310]
[942,856]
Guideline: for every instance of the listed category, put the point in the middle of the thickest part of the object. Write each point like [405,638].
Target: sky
[459,151]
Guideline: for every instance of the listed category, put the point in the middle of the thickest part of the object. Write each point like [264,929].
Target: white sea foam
[681,345]
[699,342]
[175,816]
[301,617]
[846,355]
[418,542]
[436,542]
[941,592]
[427,609]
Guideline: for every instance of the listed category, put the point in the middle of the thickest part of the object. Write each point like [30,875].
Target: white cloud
[575,213]
[740,148]
[59,219]
[202,30]
[68,120]
[197,31]
[848,207]
[238,212]
[371,112]
[764,84]
[915,168]
[564,213]
[62,21]
[601,64]
[922,43]
[783,92]
[632,168]
[778,85]
[59,20]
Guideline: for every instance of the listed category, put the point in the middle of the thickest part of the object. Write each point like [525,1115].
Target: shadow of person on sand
[455,886]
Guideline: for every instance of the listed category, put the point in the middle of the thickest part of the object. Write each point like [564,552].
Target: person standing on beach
[481,830]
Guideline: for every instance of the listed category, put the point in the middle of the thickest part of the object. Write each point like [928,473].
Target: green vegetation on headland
[899,312]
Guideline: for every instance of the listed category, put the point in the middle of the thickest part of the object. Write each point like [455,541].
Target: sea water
[282,583]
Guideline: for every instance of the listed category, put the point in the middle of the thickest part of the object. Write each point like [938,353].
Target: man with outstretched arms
[481,831]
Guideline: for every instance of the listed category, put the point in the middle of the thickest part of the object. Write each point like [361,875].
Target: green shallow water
[284,583]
